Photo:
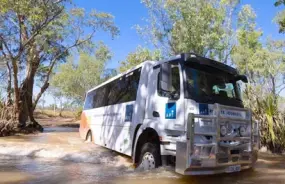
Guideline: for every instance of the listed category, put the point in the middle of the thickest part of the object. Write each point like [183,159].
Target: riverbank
[56,121]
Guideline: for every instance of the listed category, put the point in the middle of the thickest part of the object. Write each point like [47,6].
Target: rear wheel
[149,157]
[89,137]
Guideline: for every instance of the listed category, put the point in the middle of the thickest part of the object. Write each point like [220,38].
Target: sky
[131,12]
[128,13]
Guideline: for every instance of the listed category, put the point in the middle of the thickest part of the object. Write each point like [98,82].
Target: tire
[149,157]
[89,136]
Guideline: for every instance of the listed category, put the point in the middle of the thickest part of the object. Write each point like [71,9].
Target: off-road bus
[186,111]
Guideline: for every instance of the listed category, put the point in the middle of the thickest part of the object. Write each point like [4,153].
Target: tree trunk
[16,89]
[54,107]
[60,106]
[9,85]
[26,113]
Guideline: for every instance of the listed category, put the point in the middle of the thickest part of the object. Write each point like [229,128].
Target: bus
[186,111]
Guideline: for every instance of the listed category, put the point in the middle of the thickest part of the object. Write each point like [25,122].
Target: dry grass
[51,113]
[47,118]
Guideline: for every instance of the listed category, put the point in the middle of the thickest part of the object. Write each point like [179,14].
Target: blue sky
[131,12]
[128,13]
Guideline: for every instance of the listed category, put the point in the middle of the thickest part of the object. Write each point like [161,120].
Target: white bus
[186,111]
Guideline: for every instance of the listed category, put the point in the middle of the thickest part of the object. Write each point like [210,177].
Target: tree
[280,18]
[42,101]
[265,67]
[140,55]
[73,80]
[58,98]
[203,27]
[36,36]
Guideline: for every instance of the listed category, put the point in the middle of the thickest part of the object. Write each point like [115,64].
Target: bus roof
[192,57]
[186,57]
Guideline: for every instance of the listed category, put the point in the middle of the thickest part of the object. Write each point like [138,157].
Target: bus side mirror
[243,78]
[165,78]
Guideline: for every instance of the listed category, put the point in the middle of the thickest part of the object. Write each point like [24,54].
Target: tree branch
[6,47]
[46,82]
[38,31]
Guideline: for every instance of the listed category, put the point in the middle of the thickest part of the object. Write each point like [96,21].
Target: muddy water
[59,156]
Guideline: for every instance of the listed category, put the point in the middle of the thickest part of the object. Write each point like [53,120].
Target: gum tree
[38,35]
[138,56]
[204,27]
[280,18]
[76,77]
[264,64]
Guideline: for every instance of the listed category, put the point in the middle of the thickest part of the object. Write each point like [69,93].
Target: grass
[51,113]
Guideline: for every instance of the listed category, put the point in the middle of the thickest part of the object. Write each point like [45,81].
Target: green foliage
[203,27]
[270,111]
[78,112]
[74,78]
[279,2]
[140,55]
[280,18]
[264,65]
[273,129]
[39,35]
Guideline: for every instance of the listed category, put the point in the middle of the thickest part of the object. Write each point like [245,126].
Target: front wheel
[149,157]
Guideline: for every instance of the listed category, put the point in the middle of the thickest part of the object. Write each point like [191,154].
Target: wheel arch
[135,137]
[145,135]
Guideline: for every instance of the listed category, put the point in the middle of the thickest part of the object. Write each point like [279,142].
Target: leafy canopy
[76,77]
[203,27]
[138,56]
[265,67]
[39,35]
[280,18]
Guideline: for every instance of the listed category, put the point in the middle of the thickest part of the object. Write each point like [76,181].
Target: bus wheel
[89,136]
[149,157]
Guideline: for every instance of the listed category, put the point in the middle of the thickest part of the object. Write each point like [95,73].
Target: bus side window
[175,82]
[124,89]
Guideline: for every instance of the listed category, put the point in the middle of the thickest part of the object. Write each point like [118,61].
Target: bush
[272,124]
[78,112]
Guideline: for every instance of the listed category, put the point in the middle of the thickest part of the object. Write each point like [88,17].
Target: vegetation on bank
[38,41]
[35,37]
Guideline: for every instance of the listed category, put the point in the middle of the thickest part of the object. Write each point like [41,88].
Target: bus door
[169,110]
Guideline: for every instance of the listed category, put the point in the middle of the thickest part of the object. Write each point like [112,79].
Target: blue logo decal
[129,112]
[203,109]
[170,111]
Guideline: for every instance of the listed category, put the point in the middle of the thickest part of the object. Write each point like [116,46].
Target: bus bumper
[215,170]
[188,165]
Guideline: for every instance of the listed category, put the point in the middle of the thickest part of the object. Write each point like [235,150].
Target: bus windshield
[212,86]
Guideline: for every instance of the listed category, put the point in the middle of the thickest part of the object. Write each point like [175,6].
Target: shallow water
[59,156]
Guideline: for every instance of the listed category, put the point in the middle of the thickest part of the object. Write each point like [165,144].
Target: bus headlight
[223,130]
[242,131]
